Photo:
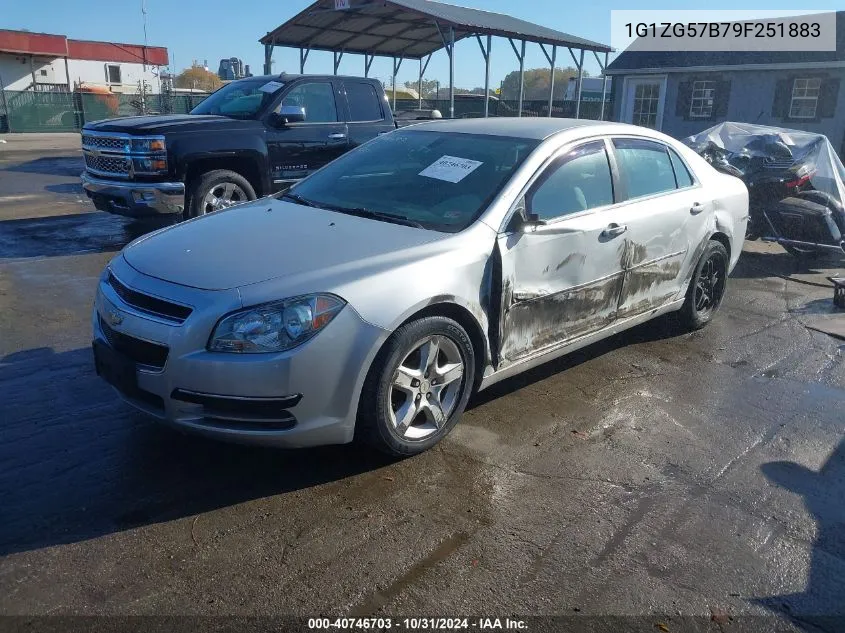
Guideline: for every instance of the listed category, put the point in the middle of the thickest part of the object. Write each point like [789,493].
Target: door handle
[696,208]
[337,136]
[614,229]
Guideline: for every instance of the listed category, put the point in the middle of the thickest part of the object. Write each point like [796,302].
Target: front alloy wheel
[223,195]
[425,388]
[417,387]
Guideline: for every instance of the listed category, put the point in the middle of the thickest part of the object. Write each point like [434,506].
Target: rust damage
[539,323]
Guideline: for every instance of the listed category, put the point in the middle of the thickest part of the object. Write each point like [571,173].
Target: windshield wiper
[300,200]
[363,212]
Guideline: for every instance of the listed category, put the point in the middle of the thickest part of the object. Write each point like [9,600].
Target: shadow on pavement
[753,265]
[821,606]
[50,165]
[59,235]
[76,463]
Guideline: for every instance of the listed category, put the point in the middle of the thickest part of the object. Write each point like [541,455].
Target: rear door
[367,114]
[666,214]
[562,279]
[299,149]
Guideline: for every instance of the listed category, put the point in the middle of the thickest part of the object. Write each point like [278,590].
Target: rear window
[682,175]
[644,166]
[363,102]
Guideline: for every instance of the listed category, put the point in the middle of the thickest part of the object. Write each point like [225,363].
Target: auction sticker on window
[270,86]
[451,168]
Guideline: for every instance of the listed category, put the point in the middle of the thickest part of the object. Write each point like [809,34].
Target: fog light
[143,196]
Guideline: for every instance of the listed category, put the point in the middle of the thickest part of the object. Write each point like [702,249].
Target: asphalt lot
[657,474]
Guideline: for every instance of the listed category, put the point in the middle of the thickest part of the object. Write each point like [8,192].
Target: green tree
[198,78]
[537,83]
[429,87]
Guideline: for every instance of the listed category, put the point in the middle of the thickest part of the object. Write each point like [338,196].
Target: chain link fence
[29,111]
[69,111]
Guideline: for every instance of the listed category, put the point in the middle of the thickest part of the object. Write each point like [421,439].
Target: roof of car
[527,127]
[293,76]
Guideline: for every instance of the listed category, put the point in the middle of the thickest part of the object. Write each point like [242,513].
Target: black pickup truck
[251,138]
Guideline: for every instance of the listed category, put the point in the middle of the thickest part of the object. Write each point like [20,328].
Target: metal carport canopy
[410,29]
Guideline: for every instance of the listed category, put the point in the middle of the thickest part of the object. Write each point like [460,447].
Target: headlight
[149,155]
[275,327]
[148,145]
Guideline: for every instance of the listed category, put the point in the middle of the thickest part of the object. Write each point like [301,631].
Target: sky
[213,29]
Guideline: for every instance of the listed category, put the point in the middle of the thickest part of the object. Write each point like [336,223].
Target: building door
[644,101]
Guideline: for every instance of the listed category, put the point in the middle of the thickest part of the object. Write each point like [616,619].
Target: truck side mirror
[289,114]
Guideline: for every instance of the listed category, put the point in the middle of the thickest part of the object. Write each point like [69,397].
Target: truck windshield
[240,99]
[438,180]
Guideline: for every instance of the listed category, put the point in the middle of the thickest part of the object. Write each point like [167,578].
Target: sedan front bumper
[134,199]
[307,396]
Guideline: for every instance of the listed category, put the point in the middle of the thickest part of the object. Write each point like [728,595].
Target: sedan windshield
[436,180]
[240,99]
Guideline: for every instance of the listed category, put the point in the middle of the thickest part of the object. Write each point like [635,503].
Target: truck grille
[106,142]
[108,165]
[142,352]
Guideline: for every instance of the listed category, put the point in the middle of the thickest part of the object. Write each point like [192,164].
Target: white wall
[94,73]
[16,75]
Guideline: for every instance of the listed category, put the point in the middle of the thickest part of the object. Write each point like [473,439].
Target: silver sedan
[374,297]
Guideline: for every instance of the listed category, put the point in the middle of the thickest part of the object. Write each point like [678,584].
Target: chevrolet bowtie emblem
[115,318]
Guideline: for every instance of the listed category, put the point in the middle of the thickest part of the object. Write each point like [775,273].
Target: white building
[44,62]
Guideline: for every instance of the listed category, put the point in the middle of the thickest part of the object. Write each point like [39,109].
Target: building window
[701,100]
[113,73]
[43,72]
[805,98]
[646,103]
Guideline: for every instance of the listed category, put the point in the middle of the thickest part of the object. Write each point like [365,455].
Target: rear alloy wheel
[218,190]
[418,387]
[707,288]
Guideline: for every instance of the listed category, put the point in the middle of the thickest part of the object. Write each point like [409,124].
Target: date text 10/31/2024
[417,624]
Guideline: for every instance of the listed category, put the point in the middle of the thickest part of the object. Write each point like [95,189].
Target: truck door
[298,149]
[366,112]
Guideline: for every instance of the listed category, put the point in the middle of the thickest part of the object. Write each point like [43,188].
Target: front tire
[418,387]
[217,190]
[707,287]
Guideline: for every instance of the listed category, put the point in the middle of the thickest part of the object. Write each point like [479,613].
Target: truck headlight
[148,145]
[275,327]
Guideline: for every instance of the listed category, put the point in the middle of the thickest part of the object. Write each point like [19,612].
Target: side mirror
[528,222]
[286,115]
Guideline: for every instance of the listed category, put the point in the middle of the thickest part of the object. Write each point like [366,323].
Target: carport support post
[303,57]
[604,85]
[396,67]
[520,55]
[268,56]
[451,72]
[551,60]
[486,53]
[422,72]
[578,87]
[337,57]
[368,61]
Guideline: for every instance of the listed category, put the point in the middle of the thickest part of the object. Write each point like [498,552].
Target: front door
[644,100]
[562,279]
[298,149]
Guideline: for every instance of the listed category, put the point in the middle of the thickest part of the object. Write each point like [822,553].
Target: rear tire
[417,388]
[707,287]
[224,186]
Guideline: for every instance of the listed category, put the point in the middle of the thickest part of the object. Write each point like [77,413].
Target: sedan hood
[266,239]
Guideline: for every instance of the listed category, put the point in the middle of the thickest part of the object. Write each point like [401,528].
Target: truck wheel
[216,190]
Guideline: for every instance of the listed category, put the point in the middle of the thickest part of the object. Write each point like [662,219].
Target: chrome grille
[106,142]
[109,165]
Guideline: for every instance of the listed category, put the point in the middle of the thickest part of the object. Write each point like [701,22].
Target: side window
[318,100]
[682,175]
[577,181]
[363,102]
[644,167]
